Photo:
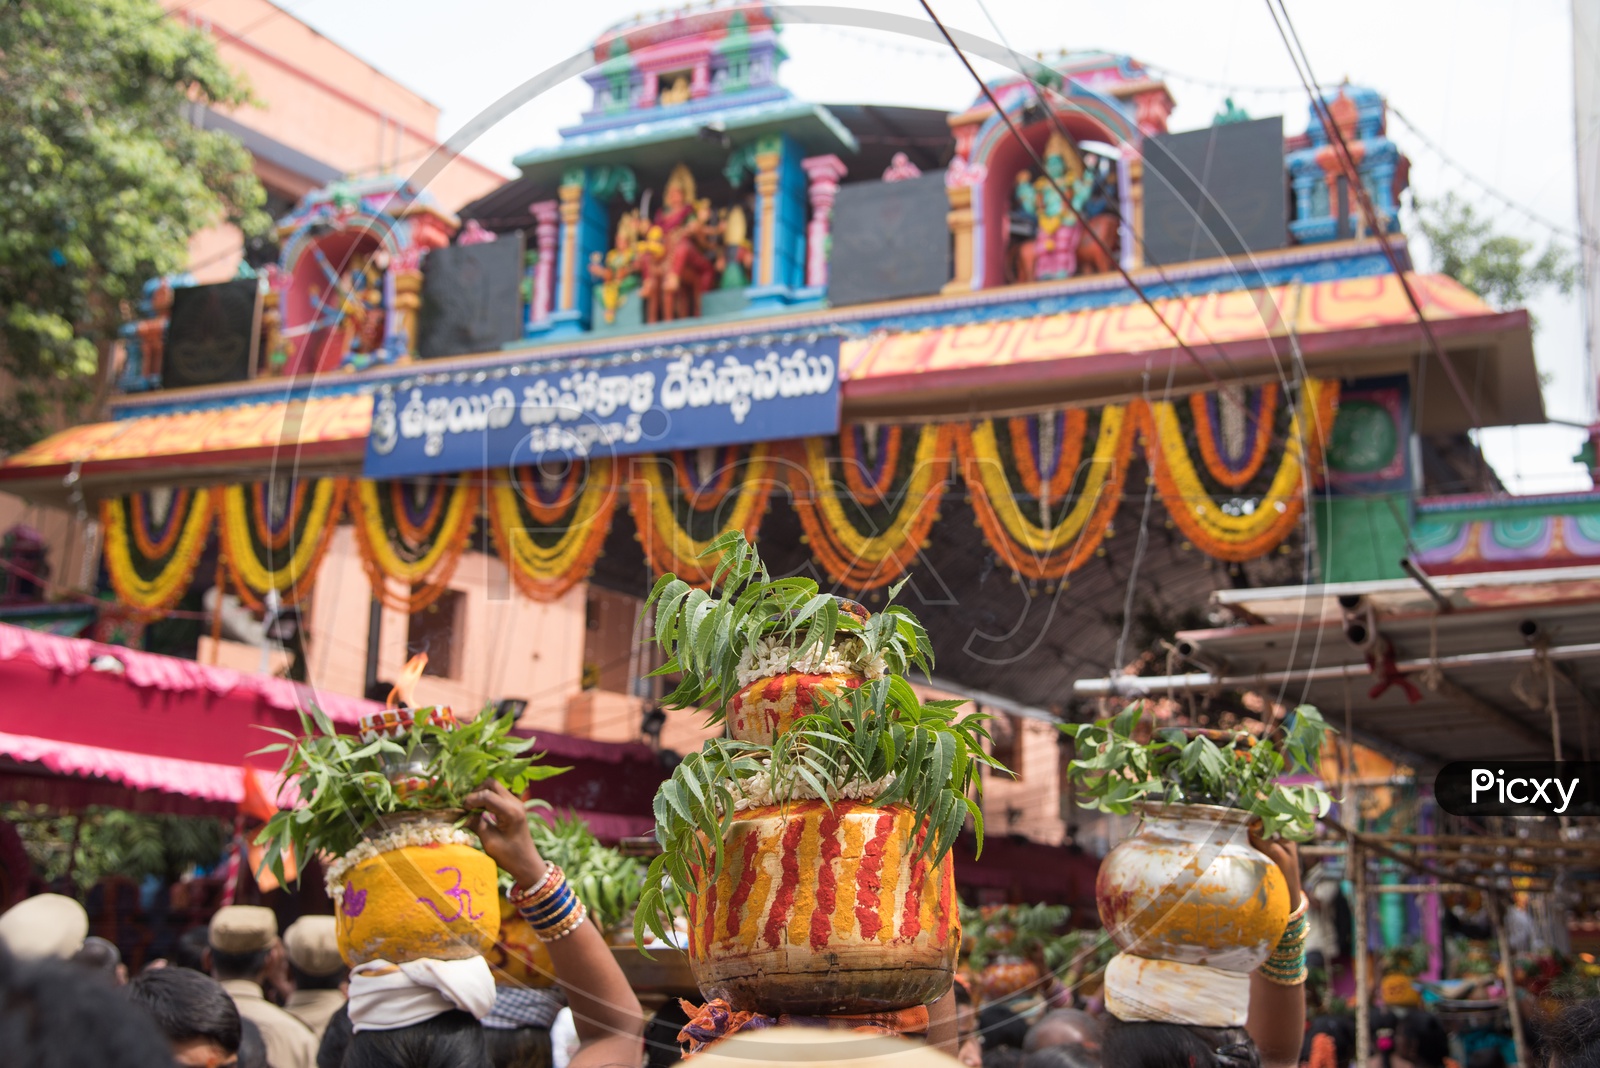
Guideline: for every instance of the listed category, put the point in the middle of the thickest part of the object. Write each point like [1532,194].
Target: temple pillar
[1130,190]
[780,183]
[546,214]
[583,232]
[960,219]
[823,173]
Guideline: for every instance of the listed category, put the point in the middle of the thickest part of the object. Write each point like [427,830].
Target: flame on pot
[402,692]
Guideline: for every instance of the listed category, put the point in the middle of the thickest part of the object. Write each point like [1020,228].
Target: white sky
[1488,81]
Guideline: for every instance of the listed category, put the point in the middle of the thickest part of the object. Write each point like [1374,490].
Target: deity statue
[735,256]
[618,270]
[677,272]
[1053,252]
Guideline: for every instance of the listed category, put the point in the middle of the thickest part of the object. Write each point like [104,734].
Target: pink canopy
[142,721]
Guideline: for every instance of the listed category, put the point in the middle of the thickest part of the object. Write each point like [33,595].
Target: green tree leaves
[103,180]
[1495,266]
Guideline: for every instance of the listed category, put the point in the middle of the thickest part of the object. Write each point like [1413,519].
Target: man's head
[45,926]
[54,1013]
[312,944]
[102,956]
[1573,1038]
[194,1012]
[1064,1027]
[242,939]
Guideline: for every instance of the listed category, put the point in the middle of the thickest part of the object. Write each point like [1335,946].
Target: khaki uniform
[314,1008]
[290,1043]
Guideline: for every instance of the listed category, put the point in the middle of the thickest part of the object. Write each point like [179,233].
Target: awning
[1429,684]
[312,436]
[87,723]
[1342,328]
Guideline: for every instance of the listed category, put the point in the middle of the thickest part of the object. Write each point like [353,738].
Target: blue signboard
[586,408]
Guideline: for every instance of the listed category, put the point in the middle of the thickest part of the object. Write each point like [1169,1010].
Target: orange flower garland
[671,531]
[547,554]
[1046,552]
[423,564]
[152,584]
[1205,430]
[1259,525]
[259,559]
[866,559]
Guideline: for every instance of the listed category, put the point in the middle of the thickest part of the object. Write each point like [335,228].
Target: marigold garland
[1272,516]
[422,565]
[547,557]
[869,486]
[1068,451]
[1263,420]
[259,558]
[685,465]
[1026,547]
[151,585]
[158,546]
[669,532]
[869,559]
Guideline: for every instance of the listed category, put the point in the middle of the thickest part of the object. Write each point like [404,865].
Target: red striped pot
[820,913]
[769,706]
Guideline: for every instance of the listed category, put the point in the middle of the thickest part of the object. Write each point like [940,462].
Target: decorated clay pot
[1187,886]
[407,772]
[432,900]
[1006,975]
[820,913]
[518,957]
[768,706]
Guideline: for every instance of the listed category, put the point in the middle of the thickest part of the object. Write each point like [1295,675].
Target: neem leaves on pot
[1114,771]
[750,617]
[348,783]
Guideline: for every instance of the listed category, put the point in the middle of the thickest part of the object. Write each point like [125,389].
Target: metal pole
[1509,968]
[374,640]
[1358,880]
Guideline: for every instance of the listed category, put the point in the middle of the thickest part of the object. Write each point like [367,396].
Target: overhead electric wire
[1359,190]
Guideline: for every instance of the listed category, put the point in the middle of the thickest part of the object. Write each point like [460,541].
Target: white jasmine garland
[416,835]
[757,791]
[773,656]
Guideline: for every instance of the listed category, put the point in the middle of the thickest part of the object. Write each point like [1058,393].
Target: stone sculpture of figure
[735,256]
[681,272]
[618,270]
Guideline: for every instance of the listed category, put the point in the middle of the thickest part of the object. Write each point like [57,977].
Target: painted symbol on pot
[353,901]
[463,899]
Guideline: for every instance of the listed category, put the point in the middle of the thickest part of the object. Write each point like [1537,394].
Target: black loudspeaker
[213,333]
[890,240]
[1220,191]
[471,298]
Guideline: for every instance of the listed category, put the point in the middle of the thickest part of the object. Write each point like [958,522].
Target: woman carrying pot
[1191,1016]
[427,1017]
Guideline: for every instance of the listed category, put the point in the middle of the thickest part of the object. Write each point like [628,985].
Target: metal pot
[1187,886]
[821,912]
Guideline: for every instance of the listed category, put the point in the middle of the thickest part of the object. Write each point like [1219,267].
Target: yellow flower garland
[154,596]
[253,576]
[669,547]
[545,573]
[1275,515]
[428,576]
[869,561]
[1033,551]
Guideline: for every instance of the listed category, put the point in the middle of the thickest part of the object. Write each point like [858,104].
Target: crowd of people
[236,994]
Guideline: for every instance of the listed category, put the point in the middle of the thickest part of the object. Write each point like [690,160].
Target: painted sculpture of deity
[674,278]
[618,271]
[1053,252]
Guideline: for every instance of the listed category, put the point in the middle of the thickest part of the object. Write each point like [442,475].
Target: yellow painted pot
[769,706]
[433,901]
[820,912]
[518,958]
[1188,887]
